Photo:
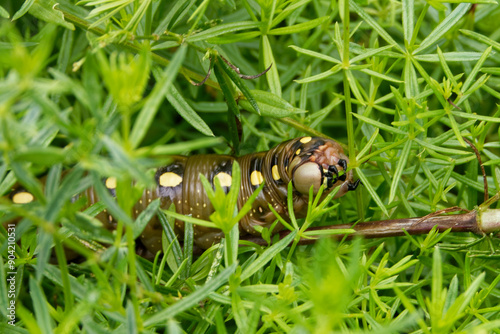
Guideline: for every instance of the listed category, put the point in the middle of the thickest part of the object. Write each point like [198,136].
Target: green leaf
[189,301]
[40,306]
[24,9]
[45,156]
[369,53]
[379,125]
[273,79]
[267,256]
[185,110]
[223,29]
[4,13]
[46,10]
[148,112]
[408,11]
[308,25]
[371,22]
[238,82]
[481,38]
[271,105]
[232,111]
[233,38]
[315,54]
[447,24]
[371,191]
[401,164]
[171,237]
[320,76]
[144,218]
[450,57]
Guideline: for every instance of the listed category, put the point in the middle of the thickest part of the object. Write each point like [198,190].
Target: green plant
[402,83]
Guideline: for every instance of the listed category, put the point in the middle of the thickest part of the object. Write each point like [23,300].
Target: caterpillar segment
[306,161]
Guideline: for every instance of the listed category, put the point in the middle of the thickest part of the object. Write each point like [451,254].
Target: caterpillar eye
[306,175]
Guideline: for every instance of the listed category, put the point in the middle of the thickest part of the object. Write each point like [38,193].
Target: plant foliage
[107,88]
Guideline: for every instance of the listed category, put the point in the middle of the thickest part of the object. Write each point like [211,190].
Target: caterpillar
[305,161]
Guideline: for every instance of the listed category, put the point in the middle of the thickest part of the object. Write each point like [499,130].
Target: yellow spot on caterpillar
[297,152]
[111,182]
[170,179]
[305,140]
[140,201]
[276,174]
[256,178]
[260,209]
[22,198]
[179,202]
[225,179]
[204,205]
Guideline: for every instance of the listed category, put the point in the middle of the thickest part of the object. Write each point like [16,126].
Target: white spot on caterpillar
[170,179]
[256,178]
[305,140]
[204,205]
[140,201]
[111,182]
[22,198]
[179,202]
[225,179]
[260,209]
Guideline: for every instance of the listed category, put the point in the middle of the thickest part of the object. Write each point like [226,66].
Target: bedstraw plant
[94,89]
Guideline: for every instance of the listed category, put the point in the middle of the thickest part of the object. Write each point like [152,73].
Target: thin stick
[466,222]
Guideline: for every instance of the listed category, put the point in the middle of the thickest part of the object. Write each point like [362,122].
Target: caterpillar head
[319,161]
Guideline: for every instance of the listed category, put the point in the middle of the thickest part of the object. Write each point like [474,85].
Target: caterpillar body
[305,161]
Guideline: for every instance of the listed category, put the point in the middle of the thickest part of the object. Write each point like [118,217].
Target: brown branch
[487,222]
